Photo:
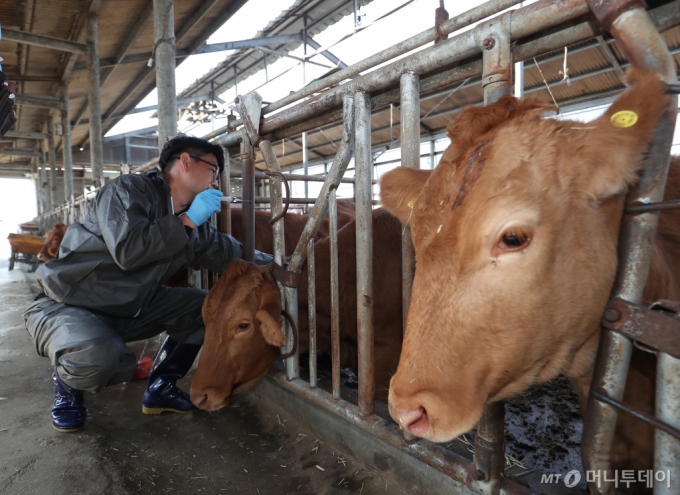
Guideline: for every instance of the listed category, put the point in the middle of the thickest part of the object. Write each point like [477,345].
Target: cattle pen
[477,50]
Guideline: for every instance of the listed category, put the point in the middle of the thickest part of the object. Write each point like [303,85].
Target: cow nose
[415,420]
[200,401]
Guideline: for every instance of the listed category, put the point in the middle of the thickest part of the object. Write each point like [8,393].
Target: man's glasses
[215,167]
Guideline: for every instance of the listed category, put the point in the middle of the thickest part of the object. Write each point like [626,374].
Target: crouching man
[106,287]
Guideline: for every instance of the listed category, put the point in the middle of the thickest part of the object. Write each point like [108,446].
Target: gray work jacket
[129,244]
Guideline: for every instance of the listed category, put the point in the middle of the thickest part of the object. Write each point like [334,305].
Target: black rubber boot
[172,362]
[68,412]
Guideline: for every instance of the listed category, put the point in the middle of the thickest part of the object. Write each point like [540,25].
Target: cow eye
[511,241]
[243,327]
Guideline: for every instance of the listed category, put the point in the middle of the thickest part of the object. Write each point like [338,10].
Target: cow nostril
[417,422]
[200,402]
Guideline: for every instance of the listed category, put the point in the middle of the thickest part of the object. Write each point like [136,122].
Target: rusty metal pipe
[279,235]
[311,312]
[335,291]
[224,224]
[644,47]
[336,172]
[363,161]
[410,157]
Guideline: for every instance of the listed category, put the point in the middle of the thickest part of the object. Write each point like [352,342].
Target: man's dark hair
[192,145]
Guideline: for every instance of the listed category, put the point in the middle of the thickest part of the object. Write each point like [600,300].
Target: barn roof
[126,40]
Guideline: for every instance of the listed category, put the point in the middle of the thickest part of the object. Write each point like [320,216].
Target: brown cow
[241,315]
[211,389]
[52,242]
[515,235]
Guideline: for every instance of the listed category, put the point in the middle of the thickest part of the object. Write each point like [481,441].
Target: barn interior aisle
[249,447]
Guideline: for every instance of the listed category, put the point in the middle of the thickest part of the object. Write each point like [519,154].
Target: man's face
[203,171]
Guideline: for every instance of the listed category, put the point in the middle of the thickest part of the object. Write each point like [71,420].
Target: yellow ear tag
[411,203]
[624,118]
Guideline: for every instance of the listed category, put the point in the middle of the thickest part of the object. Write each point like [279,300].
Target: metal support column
[493,38]
[164,50]
[410,157]
[53,162]
[248,208]
[66,145]
[128,151]
[363,162]
[44,186]
[94,101]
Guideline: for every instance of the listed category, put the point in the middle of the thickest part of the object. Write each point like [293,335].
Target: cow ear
[271,329]
[400,188]
[614,145]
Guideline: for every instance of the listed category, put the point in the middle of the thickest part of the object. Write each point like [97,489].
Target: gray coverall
[106,286]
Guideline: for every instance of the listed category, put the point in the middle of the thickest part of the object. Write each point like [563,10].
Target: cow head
[515,237]
[52,242]
[242,334]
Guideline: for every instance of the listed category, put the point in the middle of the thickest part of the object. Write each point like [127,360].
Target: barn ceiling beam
[117,59]
[19,152]
[13,76]
[44,41]
[110,119]
[25,135]
[39,101]
[136,58]
[326,53]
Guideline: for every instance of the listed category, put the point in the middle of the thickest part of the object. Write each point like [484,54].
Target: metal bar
[336,172]
[611,57]
[164,32]
[44,187]
[94,101]
[276,197]
[44,41]
[410,157]
[309,178]
[326,53]
[225,186]
[493,38]
[251,43]
[53,161]
[248,167]
[649,207]
[66,145]
[335,292]
[311,312]
[644,47]
[305,163]
[648,418]
[363,160]
[458,22]
[490,447]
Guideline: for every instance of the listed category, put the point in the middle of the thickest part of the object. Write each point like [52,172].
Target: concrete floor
[247,448]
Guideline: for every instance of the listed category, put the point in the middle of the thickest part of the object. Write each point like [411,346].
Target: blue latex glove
[205,204]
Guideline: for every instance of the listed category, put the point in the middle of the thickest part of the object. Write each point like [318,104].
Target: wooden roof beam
[125,46]
[107,120]
[44,41]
